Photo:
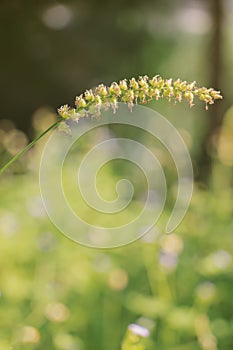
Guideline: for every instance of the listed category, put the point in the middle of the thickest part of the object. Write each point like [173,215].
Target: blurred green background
[57,295]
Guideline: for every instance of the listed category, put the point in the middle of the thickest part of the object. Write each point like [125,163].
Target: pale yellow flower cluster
[133,91]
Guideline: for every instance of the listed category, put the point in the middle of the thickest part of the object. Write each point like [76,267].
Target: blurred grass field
[58,295]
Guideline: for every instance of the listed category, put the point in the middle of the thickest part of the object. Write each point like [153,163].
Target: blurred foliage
[56,294]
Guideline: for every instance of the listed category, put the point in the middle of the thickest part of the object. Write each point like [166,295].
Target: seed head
[140,90]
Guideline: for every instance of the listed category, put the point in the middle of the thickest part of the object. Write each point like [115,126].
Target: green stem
[12,160]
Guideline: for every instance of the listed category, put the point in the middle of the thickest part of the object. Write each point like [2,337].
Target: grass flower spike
[141,90]
[131,92]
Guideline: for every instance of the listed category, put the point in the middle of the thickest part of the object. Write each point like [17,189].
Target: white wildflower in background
[139,330]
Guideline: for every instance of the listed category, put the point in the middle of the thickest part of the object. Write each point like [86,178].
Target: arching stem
[25,149]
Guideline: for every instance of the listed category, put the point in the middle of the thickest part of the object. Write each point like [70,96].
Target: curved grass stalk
[25,149]
[131,92]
